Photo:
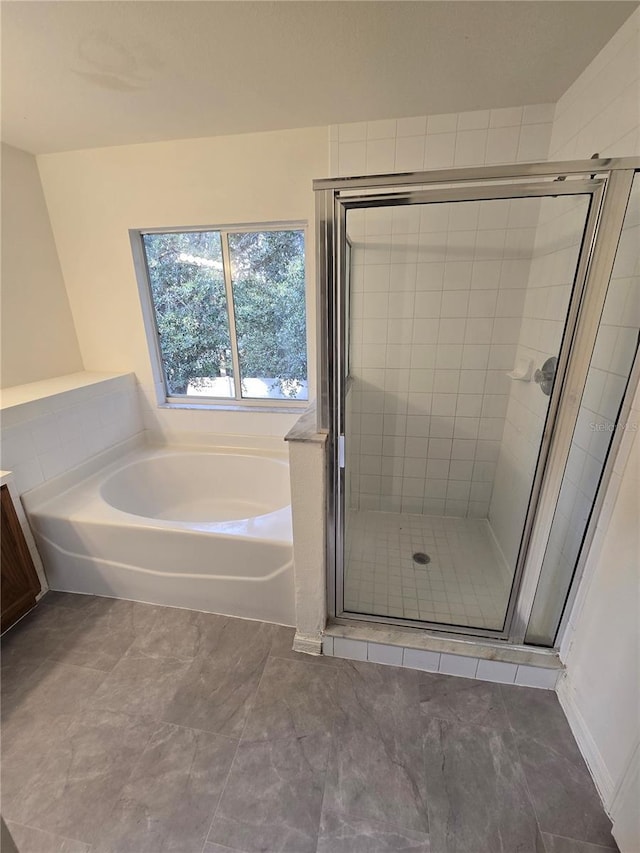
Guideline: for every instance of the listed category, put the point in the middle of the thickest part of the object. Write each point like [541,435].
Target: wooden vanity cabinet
[20,582]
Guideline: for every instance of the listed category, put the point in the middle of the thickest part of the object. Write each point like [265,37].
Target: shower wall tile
[599,113]
[474,138]
[429,352]
[437,297]
[43,438]
[605,388]
[552,268]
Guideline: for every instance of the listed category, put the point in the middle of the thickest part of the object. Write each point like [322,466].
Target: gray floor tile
[273,797]
[293,700]
[27,742]
[562,791]
[556,844]
[59,688]
[171,796]
[139,684]
[38,717]
[318,735]
[104,637]
[376,767]
[340,834]
[82,774]
[216,691]
[462,699]
[29,840]
[72,600]
[39,634]
[181,634]
[476,791]
[15,681]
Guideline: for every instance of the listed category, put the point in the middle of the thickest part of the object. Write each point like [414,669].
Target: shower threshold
[421,648]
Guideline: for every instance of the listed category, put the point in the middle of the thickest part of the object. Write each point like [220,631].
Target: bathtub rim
[149,454]
[141,441]
[274,526]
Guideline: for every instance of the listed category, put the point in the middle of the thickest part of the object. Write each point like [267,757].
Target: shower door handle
[546,374]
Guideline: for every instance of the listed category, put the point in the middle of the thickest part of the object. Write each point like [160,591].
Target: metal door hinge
[341,451]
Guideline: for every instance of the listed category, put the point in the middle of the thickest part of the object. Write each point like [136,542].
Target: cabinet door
[20,583]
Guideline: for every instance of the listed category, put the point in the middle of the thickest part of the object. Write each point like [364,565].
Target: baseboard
[586,744]
[624,808]
[309,644]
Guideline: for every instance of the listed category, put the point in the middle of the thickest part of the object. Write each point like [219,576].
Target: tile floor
[129,728]
[466,582]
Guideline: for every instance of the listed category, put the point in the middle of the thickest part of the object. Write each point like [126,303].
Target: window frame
[236,403]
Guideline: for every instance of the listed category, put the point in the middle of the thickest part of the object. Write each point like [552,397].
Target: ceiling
[88,74]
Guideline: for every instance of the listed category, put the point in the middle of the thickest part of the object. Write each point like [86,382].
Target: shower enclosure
[479,334]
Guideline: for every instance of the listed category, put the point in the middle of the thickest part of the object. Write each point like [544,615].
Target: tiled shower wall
[437,297]
[437,301]
[598,114]
[557,246]
[477,138]
[604,391]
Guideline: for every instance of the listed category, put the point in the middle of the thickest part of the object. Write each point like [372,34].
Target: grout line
[303,663]
[49,832]
[520,764]
[235,755]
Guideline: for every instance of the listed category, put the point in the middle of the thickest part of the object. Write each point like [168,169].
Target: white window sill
[268,407]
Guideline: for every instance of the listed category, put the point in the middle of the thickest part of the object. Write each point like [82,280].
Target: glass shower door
[610,369]
[457,314]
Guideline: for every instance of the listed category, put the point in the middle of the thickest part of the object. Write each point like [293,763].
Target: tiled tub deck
[129,727]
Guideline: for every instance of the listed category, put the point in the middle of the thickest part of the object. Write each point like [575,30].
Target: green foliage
[187,284]
[190,305]
[269,302]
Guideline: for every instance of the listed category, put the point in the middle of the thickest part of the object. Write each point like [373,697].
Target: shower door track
[608,183]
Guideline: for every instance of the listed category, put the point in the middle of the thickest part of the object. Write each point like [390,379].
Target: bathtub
[208,530]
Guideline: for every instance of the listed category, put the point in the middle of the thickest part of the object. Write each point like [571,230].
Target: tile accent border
[501,672]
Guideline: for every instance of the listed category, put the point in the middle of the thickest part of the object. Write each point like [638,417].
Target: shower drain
[421,558]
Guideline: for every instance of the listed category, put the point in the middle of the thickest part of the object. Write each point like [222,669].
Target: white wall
[601,648]
[38,336]
[601,112]
[96,196]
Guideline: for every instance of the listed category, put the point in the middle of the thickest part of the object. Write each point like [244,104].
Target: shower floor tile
[465,581]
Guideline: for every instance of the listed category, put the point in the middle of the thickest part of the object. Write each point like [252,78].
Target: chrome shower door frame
[608,183]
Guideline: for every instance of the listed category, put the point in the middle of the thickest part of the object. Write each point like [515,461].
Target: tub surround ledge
[83,383]
[306,428]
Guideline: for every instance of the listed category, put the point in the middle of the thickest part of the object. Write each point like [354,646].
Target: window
[227,308]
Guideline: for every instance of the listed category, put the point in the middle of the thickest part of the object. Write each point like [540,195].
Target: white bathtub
[208,530]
